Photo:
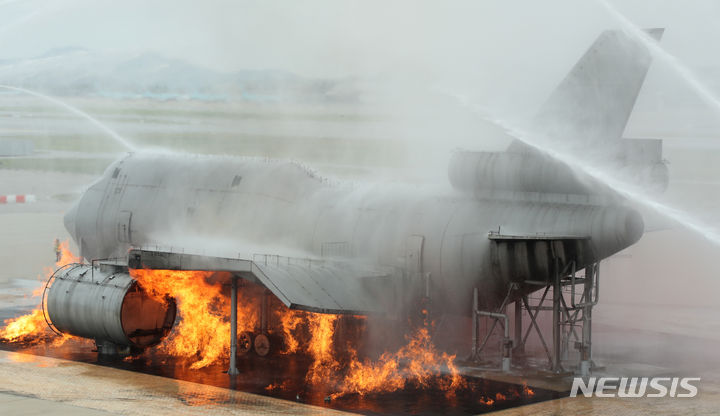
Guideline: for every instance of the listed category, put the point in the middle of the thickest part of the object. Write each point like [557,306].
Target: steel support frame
[496,316]
[568,314]
[232,370]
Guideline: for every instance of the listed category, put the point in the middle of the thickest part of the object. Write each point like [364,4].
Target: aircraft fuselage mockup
[322,246]
[364,238]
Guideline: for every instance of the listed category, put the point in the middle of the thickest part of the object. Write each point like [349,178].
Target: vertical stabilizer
[593,103]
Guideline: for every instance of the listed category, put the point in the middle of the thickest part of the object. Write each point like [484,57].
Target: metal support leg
[264,312]
[507,342]
[533,322]
[233,327]
[519,346]
[474,353]
[556,329]
[586,346]
[565,318]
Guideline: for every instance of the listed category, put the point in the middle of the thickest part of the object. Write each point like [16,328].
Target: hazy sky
[330,37]
[518,48]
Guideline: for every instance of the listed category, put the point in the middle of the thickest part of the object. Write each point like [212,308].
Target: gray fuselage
[241,207]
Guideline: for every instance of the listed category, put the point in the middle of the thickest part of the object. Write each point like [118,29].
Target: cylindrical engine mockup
[107,305]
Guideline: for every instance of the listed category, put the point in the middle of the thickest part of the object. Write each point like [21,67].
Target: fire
[290,322]
[487,401]
[525,391]
[417,362]
[66,255]
[202,336]
[25,328]
[32,327]
[203,331]
[320,347]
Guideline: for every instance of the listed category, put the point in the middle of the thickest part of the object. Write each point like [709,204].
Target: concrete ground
[707,402]
[18,404]
[34,385]
[709,405]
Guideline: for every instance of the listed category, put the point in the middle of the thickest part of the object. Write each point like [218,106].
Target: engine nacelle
[105,304]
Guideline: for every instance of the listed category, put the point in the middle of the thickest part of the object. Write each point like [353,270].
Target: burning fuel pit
[284,377]
[105,304]
[316,359]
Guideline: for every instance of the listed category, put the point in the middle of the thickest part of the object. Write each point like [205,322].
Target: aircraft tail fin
[592,105]
[594,101]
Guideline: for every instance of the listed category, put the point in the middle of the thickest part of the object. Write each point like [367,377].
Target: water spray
[654,47]
[627,190]
[110,132]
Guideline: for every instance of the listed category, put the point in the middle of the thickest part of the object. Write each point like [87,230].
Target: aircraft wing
[326,286]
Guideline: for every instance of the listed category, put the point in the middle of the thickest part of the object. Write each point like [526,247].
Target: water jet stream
[622,187]
[125,143]
[658,52]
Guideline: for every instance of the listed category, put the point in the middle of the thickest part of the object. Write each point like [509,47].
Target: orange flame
[32,327]
[278,386]
[320,348]
[203,331]
[24,328]
[417,362]
[202,335]
[290,322]
[66,255]
[527,391]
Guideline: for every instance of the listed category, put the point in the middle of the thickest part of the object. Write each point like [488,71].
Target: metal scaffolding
[571,296]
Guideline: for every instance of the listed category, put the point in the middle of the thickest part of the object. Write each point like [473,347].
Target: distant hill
[72,71]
